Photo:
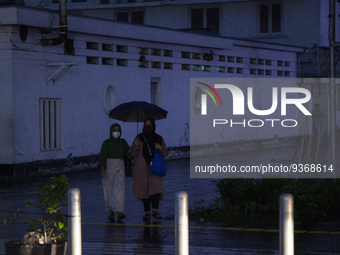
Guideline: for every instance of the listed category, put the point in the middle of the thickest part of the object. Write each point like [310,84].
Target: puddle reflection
[151,238]
[114,234]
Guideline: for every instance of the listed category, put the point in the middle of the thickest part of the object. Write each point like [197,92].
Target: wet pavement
[157,237]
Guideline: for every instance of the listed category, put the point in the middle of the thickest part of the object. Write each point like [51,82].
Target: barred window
[50,124]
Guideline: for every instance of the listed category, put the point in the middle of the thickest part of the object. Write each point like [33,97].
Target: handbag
[158,166]
[128,166]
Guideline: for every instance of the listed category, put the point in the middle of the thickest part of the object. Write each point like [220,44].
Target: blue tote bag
[158,166]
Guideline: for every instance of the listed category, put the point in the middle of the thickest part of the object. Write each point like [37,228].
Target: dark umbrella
[137,111]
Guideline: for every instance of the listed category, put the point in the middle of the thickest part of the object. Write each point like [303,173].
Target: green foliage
[51,199]
[257,200]
[199,211]
[211,213]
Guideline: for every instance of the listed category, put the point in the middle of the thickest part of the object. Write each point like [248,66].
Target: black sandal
[111,217]
[146,217]
[156,215]
[120,216]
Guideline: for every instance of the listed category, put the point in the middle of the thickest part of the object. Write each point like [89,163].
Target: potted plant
[47,234]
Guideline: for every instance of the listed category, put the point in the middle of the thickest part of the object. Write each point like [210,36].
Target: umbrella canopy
[137,111]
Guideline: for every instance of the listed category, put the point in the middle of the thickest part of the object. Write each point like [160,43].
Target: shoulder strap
[147,144]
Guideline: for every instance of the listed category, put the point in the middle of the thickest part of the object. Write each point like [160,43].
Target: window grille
[50,124]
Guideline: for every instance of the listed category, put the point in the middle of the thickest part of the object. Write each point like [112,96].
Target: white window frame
[205,14]
[270,20]
[50,124]
[129,12]
[156,91]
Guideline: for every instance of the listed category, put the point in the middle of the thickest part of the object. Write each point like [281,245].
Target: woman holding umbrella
[146,186]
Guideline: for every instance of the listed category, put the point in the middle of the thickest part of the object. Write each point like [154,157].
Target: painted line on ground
[202,227]
[216,228]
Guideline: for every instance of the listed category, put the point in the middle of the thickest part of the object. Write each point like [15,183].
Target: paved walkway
[135,237]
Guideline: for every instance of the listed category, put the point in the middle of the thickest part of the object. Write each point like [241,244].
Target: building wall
[304,23]
[234,26]
[300,22]
[175,17]
[307,17]
[6,103]
[107,53]
[104,13]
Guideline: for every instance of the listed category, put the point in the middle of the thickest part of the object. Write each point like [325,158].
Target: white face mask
[116,134]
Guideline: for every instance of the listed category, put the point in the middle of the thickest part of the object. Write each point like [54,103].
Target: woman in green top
[111,162]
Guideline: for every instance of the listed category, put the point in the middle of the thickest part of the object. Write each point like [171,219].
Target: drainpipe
[332,83]
[63,27]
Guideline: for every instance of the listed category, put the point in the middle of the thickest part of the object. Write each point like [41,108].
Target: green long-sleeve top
[115,148]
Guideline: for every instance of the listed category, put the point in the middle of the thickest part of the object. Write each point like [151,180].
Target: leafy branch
[51,199]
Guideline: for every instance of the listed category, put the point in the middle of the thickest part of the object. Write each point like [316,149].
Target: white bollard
[181,224]
[74,222]
[286,224]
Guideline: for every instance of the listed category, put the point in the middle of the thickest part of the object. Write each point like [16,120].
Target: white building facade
[54,100]
[298,23]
